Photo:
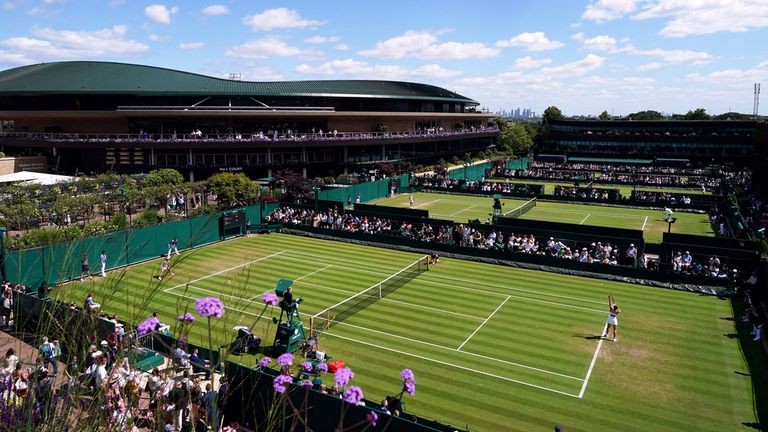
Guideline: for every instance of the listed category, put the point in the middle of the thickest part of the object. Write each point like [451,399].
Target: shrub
[120,221]
[148,217]
[98,228]
[202,210]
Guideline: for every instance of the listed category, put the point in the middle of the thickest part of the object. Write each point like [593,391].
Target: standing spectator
[103,262]
[7,308]
[173,246]
[349,200]
[10,360]
[357,199]
[46,351]
[248,227]
[85,268]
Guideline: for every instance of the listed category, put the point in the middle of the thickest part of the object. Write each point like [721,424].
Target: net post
[311,325]
[379,289]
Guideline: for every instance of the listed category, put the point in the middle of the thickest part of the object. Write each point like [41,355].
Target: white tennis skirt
[612,320]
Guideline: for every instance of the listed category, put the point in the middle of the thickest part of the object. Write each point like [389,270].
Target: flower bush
[147,326]
[209,307]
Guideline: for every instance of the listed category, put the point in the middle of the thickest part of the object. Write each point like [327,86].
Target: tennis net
[344,309]
[525,208]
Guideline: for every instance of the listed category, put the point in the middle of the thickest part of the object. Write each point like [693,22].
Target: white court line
[462,211]
[463,352]
[427,203]
[482,324]
[432,275]
[644,222]
[453,365]
[385,299]
[592,364]
[585,218]
[228,307]
[224,271]
[539,208]
[295,280]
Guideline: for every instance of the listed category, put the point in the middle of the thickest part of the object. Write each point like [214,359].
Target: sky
[585,57]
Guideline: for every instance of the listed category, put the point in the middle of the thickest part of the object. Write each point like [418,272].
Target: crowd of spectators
[461,235]
[268,135]
[610,177]
[483,187]
[101,380]
[587,193]
[713,266]
[641,169]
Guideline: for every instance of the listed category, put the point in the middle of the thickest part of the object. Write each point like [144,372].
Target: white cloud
[262,73]
[354,68]
[739,78]
[160,13]
[600,43]
[697,17]
[435,71]
[191,45]
[270,46]
[272,19]
[158,38]
[14,59]
[214,10]
[49,44]
[606,10]
[425,45]
[649,66]
[536,41]
[317,40]
[575,68]
[580,36]
[676,56]
[527,62]
[341,47]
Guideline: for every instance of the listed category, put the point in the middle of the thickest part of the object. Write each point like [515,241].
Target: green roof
[81,77]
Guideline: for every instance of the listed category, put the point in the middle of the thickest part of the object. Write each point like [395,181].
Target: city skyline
[585,57]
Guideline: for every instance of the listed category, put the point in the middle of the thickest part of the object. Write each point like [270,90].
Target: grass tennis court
[492,347]
[626,191]
[461,208]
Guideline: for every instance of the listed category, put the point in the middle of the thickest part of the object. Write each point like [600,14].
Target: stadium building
[102,116]
[704,141]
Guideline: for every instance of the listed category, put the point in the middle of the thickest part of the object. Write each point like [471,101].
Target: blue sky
[583,56]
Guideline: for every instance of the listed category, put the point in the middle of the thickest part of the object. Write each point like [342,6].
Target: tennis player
[85,268]
[613,318]
[165,267]
[410,200]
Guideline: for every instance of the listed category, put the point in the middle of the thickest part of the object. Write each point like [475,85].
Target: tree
[605,116]
[646,115]
[514,137]
[733,116]
[384,168]
[20,211]
[551,113]
[697,114]
[294,186]
[233,189]
[162,177]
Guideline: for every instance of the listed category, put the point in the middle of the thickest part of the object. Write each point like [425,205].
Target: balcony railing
[219,108]
[278,137]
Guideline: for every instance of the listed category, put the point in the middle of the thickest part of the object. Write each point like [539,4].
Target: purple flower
[307,384]
[342,376]
[322,367]
[265,361]
[270,299]
[285,360]
[307,366]
[407,375]
[353,395]
[147,326]
[280,382]
[209,307]
[372,417]
[187,317]
[409,387]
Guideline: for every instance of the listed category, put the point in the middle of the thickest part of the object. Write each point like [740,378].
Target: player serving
[613,318]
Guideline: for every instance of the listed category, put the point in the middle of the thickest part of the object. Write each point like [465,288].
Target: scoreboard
[233,219]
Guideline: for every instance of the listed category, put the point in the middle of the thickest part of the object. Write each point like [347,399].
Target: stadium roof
[86,77]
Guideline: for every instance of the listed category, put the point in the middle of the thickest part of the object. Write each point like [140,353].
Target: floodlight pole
[3,233]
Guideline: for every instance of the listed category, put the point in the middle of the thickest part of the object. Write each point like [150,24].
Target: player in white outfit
[613,318]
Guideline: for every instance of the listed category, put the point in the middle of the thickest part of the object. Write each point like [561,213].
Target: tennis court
[461,208]
[493,347]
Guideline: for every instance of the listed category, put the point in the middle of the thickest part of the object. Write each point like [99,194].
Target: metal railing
[219,108]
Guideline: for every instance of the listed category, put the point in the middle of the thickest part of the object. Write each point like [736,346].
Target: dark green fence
[471,173]
[368,191]
[60,262]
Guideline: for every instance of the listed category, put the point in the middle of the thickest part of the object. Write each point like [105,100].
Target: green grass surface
[626,191]
[460,208]
[492,347]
